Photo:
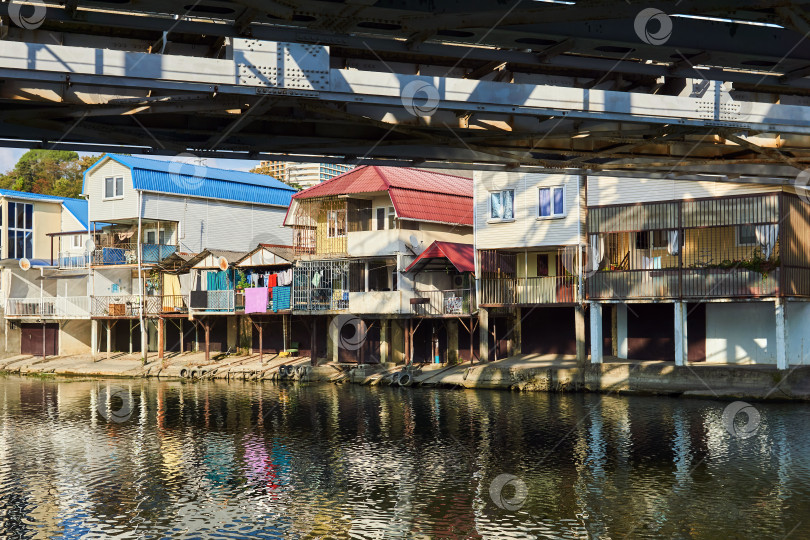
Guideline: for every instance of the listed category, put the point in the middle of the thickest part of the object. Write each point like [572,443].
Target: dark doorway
[464,341]
[651,332]
[696,331]
[33,337]
[500,329]
[548,330]
[272,335]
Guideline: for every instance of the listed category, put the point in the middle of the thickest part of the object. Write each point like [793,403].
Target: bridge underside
[507,85]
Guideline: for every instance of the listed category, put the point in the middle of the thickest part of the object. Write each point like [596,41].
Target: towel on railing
[256,300]
[281,298]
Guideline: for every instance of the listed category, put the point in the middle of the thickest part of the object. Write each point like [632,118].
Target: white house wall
[214,224]
[606,190]
[526,230]
[104,279]
[114,209]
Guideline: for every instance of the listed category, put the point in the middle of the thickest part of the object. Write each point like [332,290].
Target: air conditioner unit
[458,281]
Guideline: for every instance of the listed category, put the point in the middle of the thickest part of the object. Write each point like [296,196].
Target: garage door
[34,336]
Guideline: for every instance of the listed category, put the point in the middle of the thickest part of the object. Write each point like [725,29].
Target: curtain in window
[545,202]
[673,243]
[559,205]
[597,252]
[766,238]
[496,205]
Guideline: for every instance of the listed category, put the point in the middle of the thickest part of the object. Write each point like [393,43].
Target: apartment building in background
[303,174]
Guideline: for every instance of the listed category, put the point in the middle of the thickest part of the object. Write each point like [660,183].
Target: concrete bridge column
[681,346]
[94,346]
[596,333]
[782,358]
[483,335]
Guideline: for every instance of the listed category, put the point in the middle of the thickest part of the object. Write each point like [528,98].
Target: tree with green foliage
[49,172]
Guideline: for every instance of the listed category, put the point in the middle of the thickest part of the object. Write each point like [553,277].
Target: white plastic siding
[114,209]
[525,230]
[604,190]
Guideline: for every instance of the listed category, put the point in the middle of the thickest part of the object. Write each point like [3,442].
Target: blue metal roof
[202,181]
[76,207]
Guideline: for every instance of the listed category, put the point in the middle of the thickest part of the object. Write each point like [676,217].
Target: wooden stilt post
[130,336]
[472,359]
[313,342]
[182,337]
[161,344]
[207,328]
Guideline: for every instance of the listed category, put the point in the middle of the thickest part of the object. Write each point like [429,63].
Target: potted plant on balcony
[242,282]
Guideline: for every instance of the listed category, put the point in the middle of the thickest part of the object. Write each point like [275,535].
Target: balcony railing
[174,303]
[320,299]
[212,301]
[685,283]
[125,305]
[439,303]
[128,254]
[67,260]
[60,307]
[527,291]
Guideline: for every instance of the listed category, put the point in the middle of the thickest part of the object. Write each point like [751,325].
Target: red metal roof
[462,256]
[416,194]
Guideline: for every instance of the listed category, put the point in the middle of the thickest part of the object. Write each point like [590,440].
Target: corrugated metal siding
[734,211]
[605,190]
[218,224]
[633,218]
[526,230]
[105,211]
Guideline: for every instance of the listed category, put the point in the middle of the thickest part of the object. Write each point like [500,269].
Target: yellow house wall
[47,219]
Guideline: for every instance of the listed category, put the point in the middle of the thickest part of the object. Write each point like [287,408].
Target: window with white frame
[502,204]
[77,240]
[20,230]
[336,223]
[552,202]
[392,218]
[113,187]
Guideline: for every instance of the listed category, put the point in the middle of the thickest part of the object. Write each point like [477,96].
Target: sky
[9,157]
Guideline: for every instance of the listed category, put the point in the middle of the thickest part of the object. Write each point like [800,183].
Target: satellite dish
[25,264]
[414,242]
[222,263]
[89,245]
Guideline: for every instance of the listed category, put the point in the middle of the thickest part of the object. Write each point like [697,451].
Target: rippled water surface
[259,460]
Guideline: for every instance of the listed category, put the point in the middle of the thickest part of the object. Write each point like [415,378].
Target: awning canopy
[438,254]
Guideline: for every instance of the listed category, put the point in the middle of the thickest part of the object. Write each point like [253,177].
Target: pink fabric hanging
[256,300]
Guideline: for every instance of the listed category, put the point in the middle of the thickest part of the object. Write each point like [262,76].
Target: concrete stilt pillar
[109,338]
[579,332]
[596,333]
[483,335]
[144,342]
[161,332]
[94,338]
[130,336]
[782,352]
[681,347]
[384,345]
[621,331]
[452,341]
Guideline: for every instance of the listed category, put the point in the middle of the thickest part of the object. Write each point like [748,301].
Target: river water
[139,459]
